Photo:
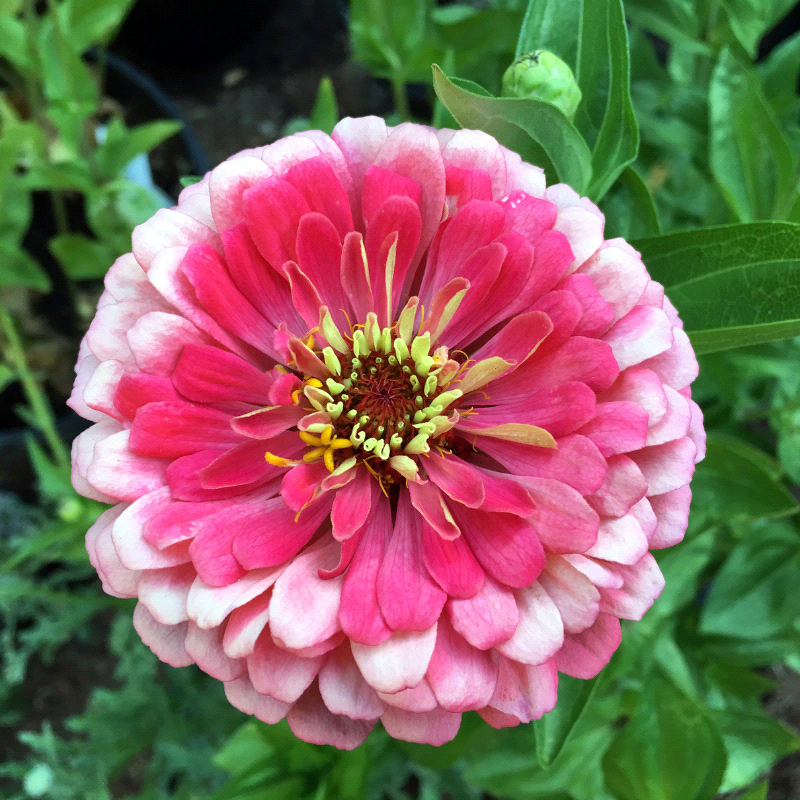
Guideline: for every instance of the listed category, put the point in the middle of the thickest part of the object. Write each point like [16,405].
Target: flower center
[388,398]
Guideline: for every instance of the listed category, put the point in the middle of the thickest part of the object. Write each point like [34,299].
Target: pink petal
[506,546]
[210,375]
[315,179]
[165,591]
[488,618]
[617,427]
[573,593]
[431,727]
[678,365]
[172,430]
[245,464]
[343,688]
[563,520]
[242,695]
[353,504]
[666,466]
[643,583]
[209,605]
[117,472]
[407,595]
[451,564]
[523,691]
[619,276]
[540,631]
[640,335]
[457,479]
[311,721]
[620,539]
[205,647]
[597,313]
[227,183]
[304,610]
[134,552]
[167,228]
[157,341]
[476,151]
[462,677]
[428,500]
[359,612]
[400,662]
[584,654]
[675,422]
[278,673]
[134,391]
[623,487]
[263,286]
[277,536]
[639,385]
[418,699]
[672,513]
[166,641]
[245,626]
[272,210]
[576,462]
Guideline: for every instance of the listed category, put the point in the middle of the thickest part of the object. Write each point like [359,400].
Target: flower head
[389,430]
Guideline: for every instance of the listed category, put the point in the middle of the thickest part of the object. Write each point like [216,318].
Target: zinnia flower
[389,430]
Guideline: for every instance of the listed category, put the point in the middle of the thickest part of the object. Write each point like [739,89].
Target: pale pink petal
[398,663]
[245,625]
[304,610]
[488,618]
[524,691]
[278,673]
[432,727]
[164,592]
[242,695]
[166,641]
[205,647]
[311,721]
[418,699]
[672,512]
[344,689]
[540,630]
[643,583]
[577,600]
[584,654]
[461,676]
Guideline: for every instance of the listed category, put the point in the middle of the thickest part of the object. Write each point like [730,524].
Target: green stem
[40,406]
[399,94]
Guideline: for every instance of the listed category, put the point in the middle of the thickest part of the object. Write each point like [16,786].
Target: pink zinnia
[389,429]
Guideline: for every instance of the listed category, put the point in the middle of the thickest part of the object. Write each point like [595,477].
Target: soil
[238,72]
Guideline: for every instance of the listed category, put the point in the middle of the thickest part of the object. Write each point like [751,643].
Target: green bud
[543,76]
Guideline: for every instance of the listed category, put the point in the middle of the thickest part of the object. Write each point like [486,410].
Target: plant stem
[399,94]
[40,406]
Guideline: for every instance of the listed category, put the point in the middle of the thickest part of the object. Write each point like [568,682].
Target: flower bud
[543,76]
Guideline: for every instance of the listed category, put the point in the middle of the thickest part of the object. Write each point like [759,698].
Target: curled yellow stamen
[279,461]
[314,382]
[310,439]
[328,459]
[314,455]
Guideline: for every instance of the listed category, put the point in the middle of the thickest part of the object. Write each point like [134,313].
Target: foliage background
[688,136]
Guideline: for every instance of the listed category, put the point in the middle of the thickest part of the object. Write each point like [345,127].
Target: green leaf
[592,38]
[753,596]
[733,285]
[675,21]
[750,158]
[65,77]
[629,208]
[758,792]
[325,113]
[17,268]
[735,484]
[778,74]
[669,750]
[553,729]
[81,257]
[14,42]
[750,19]
[94,21]
[538,131]
[122,145]
[754,741]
